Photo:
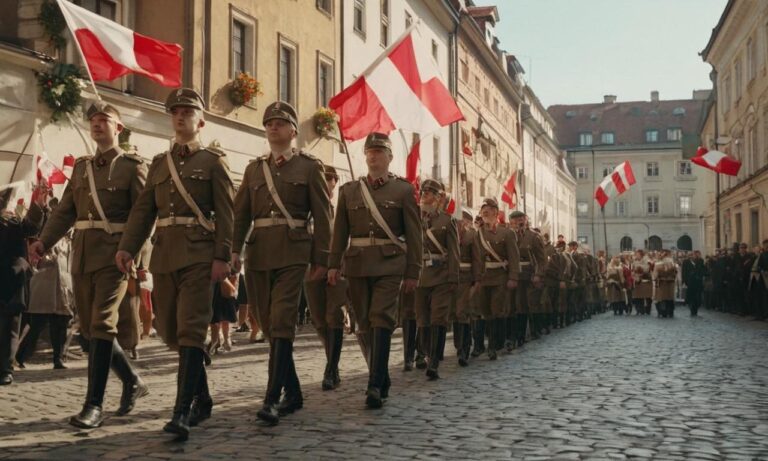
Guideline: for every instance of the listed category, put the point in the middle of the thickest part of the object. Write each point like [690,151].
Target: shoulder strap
[208,225]
[433,239]
[374,210]
[489,248]
[274,194]
[95,195]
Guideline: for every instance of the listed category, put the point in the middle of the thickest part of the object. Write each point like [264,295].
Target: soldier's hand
[141,275]
[37,248]
[124,261]
[219,270]
[537,281]
[511,284]
[333,277]
[409,285]
[236,263]
[317,272]
[562,285]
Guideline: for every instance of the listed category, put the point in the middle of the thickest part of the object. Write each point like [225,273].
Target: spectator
[224,313]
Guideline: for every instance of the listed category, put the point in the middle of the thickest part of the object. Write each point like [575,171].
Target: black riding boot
[202,405]
[280,353]
[522,327]
[99,359]
[190,367]
[335,340]
[465,343]
[377,375]
[422,346]
[133,386]
[293,399]
[437,345]
[455,327]
[409,343]
[493,337]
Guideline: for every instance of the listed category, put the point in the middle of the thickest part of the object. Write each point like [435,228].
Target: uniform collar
[188,149]
[283,157]
[378,181]
[104,158]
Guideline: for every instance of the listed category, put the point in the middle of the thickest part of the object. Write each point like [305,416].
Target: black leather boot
[455,327]
[478,337]
[335,339]
[293,399]
[409,343]
[377,376]
[364,341]
[202,405]
[279,362]
[463,331]
[422,346]
[99,359]
[133,386]
[190,368]
[493,331]
[522,327]
[437,345]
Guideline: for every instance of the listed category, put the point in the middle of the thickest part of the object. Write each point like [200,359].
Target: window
[684,168]
[482,187]
[436,158]
[583,239]
[384,23]
[238,47]
[754,227]
[652,136]
[105,8]
[652,169]
[496,106]
[652,205]
[585,139]
[674,134]
[751,60]
[582,209]
[487,97]
[739,229]
[621,208]
[325,6]
[359,17]
[435,50]
[737,78]
[582,172]
[608,169]
[243,46]
[607,138]
[408,19]
[287,72]
[325,79]
[464,71]
[684,205]
[754,161]
[477,85]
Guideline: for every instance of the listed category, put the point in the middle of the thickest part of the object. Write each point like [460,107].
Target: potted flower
[244,88]
[325,121]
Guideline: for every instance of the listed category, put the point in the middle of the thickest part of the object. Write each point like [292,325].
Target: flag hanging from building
[402,89]
[717,161]
[111,50]
[412,167]
[615,184]
[510,190]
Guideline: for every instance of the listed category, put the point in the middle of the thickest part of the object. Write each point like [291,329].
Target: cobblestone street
[607,388]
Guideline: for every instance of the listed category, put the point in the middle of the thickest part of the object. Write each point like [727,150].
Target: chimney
[654,96]
[609,99]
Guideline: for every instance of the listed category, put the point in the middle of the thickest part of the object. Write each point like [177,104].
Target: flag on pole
[412,167]
[717,161]
[402,89]
[111,50]
[615,184]
[510,190]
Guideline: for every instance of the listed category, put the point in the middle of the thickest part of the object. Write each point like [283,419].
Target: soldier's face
[428,198]
[518,223]
[489,214]
[378,158]
[104,129]
[279,131]
[187,121]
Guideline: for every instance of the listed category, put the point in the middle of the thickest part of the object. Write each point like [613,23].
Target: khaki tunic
[471,268]
[277,249]
[98,285]
[643,281]
[614,285]
[532,263]
[182,254]
[665,274]
[492,296]
[375,272]
[440,274]
[556,272]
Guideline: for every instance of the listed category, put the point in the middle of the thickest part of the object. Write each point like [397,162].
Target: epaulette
[400,178]
[217,151]
[264,157]
[308,155]
[134,156]
[84,157]
[159,156]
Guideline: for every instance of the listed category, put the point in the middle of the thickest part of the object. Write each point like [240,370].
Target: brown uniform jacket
[446,268]
[471,257]
[582,270]
[396,203]
[503,242]
[205,174]
[119,180]
[301,186]
[532,258]
[556,270]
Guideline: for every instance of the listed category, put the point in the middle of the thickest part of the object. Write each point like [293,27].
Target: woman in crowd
[224,313]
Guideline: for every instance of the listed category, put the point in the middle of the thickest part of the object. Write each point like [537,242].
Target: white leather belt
[465,266]
[116,227]
[495,265]
[368,242]
[177,221]
[269,222]
[525,263]
[434,258]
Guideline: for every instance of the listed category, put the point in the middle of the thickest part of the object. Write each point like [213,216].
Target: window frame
[249,40]
[582,173]
[582,213]
[675,129]
[648,199]
[606,133]
[385,29]
[359,6]
[688,172]
[621,208]
[327,61]
[656,173]
[582,136]
[320,5]
[285,42]
[680,198]
[648,139]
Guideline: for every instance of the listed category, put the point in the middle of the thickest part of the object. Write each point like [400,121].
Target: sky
[576,51]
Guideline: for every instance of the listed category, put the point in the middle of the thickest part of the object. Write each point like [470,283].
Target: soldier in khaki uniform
[280,192]
[471,268]
[377,232]
[576,288]
[440,274]
[549,308]
[502,272]
[556,276]
[532,263]
[188,199]
[97,201]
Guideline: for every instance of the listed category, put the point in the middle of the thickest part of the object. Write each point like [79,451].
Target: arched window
[626,244]
[685,243]
[654,243]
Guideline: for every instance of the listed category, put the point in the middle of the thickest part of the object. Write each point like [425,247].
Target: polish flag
[402,89]
[717,161]
[111,50]
[48,171]
[615,183]
[412,167]
[510,191]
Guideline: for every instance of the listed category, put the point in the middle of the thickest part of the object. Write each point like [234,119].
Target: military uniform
[99,287]
[373,263]
[665,274]
[643,290]
[471,267]
[615,288]
[556,273]
[577,296]
[532,264]
[184,246]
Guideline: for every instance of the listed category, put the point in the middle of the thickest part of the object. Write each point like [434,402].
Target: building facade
[665,207]
[737,123]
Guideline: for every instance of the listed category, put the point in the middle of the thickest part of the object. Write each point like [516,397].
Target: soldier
[325,303]
[188,199]
[478,322]
[532,264]
[556,276]
[471,267]
[502,272]
[665,274]
[377,232]
[440,275]
[280,192]
[97,201]
[693,272]
[643,291]
[576,295]
[550,307]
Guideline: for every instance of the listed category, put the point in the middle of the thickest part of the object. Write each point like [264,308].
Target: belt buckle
[372,239]
[172,219]
[90,220]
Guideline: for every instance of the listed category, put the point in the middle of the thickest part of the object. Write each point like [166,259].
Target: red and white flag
[402,89]
[111,50]
[412,167]
[615,183]
[510,190]
[717,161]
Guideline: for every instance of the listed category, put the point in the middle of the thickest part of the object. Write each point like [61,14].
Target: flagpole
[346,150]
[68,20]
[605,230]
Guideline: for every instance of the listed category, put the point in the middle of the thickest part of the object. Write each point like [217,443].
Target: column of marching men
[397,258]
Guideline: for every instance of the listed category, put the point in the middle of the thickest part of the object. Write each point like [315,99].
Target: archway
[654,243]
[626,244]
[685,243]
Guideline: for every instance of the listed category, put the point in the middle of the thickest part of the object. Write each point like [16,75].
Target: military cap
[516,214]
[573,243]
[281,110]
[466,213]
[330,172]
[491,202]
[184,97]
[101,107]
[433,185]
[380,140]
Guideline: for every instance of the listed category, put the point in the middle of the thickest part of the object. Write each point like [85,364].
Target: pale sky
[576,51]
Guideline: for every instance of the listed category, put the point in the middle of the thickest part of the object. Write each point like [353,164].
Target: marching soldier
[502,272]
[550,306]
[556,276]
[97,201]
[478,322]
[576,296]
[471,267]
[532,263]
[665,275]
[377,232]
[188,199]
[279,193]
[643,291]
[440,275]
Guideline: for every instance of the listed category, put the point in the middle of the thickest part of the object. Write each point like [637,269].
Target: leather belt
[465,266]
[177,221]
[117,228]
[269,222]
[525,263]
[434,258]
[368,242]
[495,265]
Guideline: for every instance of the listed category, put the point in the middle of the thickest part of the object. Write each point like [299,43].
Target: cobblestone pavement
[607,388]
